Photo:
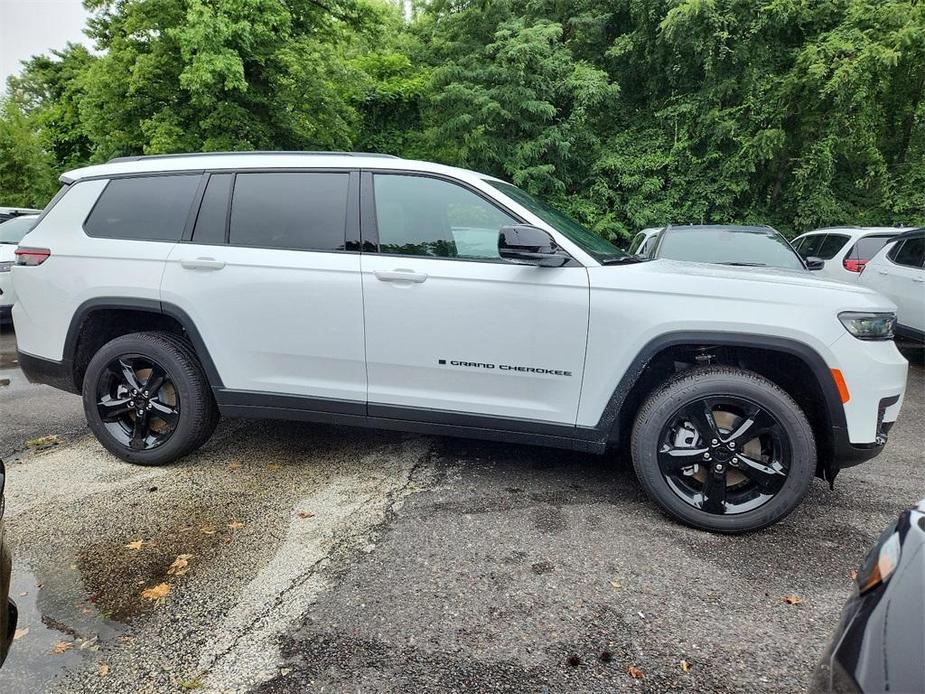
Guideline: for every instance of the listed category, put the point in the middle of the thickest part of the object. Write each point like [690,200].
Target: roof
[215,161]
[862,230]
[912,234]
[746,228]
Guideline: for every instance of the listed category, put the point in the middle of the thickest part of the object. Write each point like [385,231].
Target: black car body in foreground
[7,607]
[879,645]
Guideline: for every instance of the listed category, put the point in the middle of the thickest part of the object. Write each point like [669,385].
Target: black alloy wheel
[723,449]
[724,455]
[138,402]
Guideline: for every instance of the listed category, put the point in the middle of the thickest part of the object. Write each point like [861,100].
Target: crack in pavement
[348,513]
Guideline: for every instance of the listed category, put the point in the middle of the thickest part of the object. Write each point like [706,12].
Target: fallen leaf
[102,669]
[208,529]
[180,565]
[274,466]
[235,524]
[158,592]
[616,584]
[854,574]
[195,683]
[234,466]
[24,594]
[61,647]
[635,672]
[19,633]
[793,599]
[685,666]
[306,514]
[135,544]
[44,441]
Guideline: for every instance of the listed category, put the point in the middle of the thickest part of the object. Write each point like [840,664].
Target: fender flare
[834,411]
[141,306]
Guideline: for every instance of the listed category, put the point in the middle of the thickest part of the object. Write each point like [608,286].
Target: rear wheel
[723,449]
[147,400]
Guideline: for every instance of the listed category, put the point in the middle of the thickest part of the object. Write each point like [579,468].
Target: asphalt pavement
[289,557]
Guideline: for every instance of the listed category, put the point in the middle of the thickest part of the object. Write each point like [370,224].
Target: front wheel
[147,400]
[723,449]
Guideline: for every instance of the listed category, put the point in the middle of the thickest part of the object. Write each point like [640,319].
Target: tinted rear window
[868,247]
[300,211]
[147,208]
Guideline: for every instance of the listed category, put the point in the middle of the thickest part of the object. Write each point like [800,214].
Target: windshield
[729,246]
[12,230]
[592,244]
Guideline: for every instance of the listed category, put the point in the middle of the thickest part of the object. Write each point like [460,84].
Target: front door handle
[401,275]
[202,264]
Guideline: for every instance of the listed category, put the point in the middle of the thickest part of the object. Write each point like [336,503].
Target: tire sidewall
[178,443]
[796,428]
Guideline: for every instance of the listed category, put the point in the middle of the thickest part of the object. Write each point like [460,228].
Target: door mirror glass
[814,263]
[530,245]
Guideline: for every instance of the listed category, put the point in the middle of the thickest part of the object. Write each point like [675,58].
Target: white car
[11,233]
[374,291]
[897,272]
[844,250]
[643,242]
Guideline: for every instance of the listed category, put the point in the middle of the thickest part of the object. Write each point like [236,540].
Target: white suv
[843,250]
[898,272]
[374,291]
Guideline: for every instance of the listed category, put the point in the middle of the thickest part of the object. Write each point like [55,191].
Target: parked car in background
[727,244]
[644,241]
[898,272]
[844,250]
[879,645]
[8,612]
[11,212]
[11,233]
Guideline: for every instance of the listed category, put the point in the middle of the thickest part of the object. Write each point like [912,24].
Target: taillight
[31,256]
[854,265]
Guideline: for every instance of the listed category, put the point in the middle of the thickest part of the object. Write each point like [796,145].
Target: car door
[450,326]
[906,281]
[270,285]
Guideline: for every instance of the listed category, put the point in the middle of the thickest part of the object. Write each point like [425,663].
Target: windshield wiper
[745,264]
[624,260]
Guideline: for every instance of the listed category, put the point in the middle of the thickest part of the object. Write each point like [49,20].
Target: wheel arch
[98,320]
[793,365]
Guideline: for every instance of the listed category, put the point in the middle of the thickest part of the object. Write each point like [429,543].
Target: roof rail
[147,157]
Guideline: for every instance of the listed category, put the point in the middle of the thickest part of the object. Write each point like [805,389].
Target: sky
[29,27]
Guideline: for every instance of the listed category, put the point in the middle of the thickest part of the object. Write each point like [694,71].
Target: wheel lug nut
[715,442]
[131,403]
[706,456]
[719,467]
[732,444]
[146,393]
[735,461]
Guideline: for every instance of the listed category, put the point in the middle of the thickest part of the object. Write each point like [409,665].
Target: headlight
[6,265]
[869,326]
[880,563]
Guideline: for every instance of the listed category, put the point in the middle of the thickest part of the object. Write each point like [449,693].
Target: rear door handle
[201,263]
[401,275]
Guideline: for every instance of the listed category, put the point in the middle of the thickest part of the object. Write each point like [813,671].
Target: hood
[761,284]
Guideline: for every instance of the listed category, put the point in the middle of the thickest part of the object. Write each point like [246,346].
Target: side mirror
[530,245]
[814,263]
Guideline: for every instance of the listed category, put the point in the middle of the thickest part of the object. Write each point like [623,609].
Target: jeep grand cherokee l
[375,291]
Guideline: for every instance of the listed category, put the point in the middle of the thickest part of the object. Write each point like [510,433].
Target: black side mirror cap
[813,263]
[530,245]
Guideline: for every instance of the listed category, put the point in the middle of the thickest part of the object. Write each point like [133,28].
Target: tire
[178,415]
[679,466]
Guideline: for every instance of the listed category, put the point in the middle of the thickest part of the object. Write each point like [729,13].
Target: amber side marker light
[842,386]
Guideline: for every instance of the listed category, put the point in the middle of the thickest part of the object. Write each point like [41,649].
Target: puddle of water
[54,613]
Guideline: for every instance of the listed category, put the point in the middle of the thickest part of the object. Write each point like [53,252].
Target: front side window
[809,245]
[293,210]
[910,252]
[423,216]
[143,208]
[637,242]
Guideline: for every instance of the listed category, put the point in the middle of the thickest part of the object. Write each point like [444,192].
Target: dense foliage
[628,113]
